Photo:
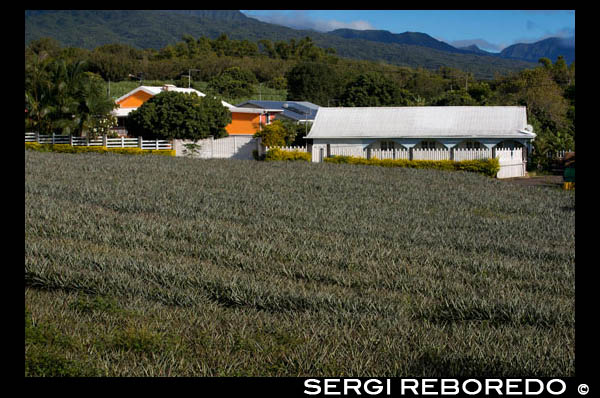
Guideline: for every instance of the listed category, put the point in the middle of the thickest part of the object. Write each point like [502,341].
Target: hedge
[488,167]
[66,148]
[279,154]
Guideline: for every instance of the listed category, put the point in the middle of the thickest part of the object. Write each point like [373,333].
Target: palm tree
[63,97]
[93,103]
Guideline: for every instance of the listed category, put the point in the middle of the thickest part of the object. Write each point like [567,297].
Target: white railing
[122,142]
[104,141]
[557,154]
[84,141]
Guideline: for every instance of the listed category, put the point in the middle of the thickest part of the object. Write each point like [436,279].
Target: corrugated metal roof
[421,121]
[296,110]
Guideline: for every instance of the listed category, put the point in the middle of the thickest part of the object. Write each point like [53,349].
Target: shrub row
[66,148]
[279,154]
[488,167]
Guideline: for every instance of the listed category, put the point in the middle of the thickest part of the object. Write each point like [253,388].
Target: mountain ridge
[158,28]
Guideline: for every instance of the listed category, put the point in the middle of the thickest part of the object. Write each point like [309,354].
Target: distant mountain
[549,48]
[383,36]
[158,28]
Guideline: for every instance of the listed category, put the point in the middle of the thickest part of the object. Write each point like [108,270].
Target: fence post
[104,141]
[52,138]
[156,144]
[122,142]
[140,143]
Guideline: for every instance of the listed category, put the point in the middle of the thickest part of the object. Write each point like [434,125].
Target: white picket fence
[104,141]
[290,148]
[512,161]
[390,153]
[461,154]
[431,154]
[339,150]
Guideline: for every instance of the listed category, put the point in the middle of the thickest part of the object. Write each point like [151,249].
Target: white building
[423,130]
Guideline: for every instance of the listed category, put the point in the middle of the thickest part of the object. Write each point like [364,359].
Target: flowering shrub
[102,125]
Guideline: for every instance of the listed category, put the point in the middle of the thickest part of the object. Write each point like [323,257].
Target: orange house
[244,121]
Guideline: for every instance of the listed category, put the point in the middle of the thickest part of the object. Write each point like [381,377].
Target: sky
[490,30]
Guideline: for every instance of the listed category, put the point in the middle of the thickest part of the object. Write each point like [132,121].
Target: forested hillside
[155,29]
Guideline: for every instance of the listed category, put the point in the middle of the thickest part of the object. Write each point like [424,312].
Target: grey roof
[422,122]
[296,110]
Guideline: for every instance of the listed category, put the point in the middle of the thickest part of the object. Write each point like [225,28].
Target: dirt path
[547,181]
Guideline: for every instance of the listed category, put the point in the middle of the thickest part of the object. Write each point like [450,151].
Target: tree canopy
[276,134]
[372,89]
[171,115]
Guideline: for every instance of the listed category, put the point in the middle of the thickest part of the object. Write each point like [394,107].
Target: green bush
[280,154]
[488,167]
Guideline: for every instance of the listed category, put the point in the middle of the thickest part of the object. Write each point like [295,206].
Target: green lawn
[155,266]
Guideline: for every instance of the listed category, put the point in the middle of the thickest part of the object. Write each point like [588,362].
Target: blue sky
[491,30]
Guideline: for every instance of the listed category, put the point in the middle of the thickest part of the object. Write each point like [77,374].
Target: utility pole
[190,76]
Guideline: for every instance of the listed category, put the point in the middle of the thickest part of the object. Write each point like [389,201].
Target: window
[473,145]
[428,144]
[387,145]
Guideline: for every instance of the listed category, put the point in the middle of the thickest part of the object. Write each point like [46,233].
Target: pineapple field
[162,266]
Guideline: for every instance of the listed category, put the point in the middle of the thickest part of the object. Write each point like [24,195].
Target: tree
[173,115]
[455,98]
[276,134]
[373,89]
[480,92]
[233,82]
[314,82]
[94,107]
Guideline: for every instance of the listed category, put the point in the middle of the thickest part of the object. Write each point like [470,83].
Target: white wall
[233,146]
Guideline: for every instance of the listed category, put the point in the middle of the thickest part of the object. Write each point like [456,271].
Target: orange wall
[135,100]
[243,123]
